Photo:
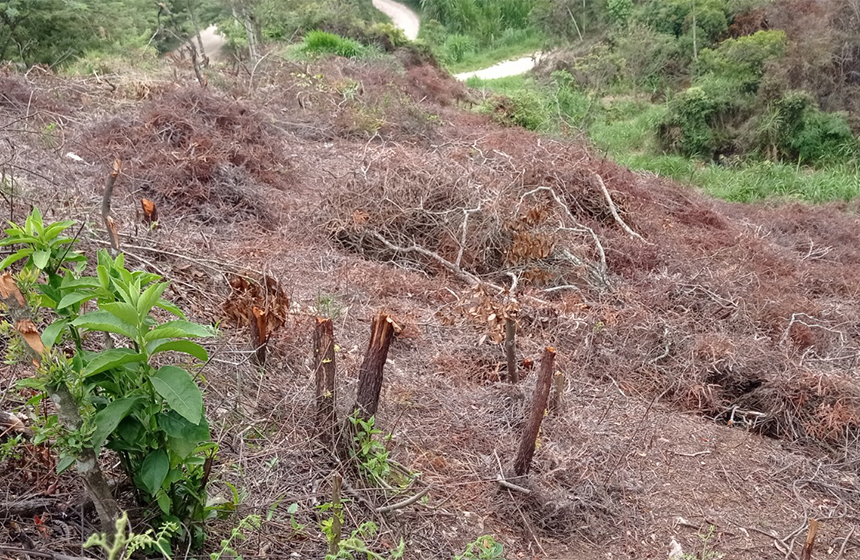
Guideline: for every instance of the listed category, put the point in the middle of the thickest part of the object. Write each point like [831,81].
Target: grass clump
[324,43]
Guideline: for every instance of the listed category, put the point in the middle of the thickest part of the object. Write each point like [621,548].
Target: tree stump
[539,401]
[382,332]
[324,375]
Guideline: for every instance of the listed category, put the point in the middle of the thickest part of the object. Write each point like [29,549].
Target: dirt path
[213,43]
[402,16]
[503,69]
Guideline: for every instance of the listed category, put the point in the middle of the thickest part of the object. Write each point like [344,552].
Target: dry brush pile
[739,313]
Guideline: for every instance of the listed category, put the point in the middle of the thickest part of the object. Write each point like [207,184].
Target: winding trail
[213,43]
[406,19]
[503,69]
[401,15]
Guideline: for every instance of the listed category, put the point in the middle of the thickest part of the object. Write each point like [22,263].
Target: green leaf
[170,308]
[53,332]
[73,298]
[85,282]
[15,257]
[104,321]
[122,311]
[180,392]
[110,359]
[183,437]
[154,470]
[184,346]
[178,329]
[41,258]
[150,297]
[164,502]
[55,229]
[108,418]
[64,463]
[104,277]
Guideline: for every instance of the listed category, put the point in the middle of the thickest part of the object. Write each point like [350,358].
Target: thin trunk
[324,374]
[370,373]
[511,349]
[197,33]
[526,452]
[110,225]
[695,50]
[86,462]
[67,408]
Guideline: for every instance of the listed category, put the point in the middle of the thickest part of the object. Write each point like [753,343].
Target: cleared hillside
[709,348]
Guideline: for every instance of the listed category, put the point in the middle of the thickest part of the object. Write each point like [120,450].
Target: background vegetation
[733,96]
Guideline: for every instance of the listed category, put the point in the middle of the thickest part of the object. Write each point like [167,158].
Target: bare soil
[711,391]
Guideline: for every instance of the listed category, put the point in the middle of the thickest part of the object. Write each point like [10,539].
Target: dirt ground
[711,403]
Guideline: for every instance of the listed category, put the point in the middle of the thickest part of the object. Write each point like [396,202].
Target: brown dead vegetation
[339,179]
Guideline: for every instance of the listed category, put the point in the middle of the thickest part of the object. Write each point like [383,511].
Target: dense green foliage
[627,130]
[58,31]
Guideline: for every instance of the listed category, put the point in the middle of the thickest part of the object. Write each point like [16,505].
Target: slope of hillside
[709,349]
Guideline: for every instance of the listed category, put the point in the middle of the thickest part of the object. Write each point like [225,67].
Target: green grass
[321,43]
[624,130]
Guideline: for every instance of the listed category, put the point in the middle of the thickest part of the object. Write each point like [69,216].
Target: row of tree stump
[370,374]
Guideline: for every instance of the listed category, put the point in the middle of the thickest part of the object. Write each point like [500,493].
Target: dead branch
[11,423]
[41,554]
[601,270]
[405,503]
[110,225]
[511,486]
[614,210]
[470,279]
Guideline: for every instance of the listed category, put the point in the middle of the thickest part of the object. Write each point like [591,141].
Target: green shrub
[620,10]
[523,108]
[322,42]
[742,61]
[130,398]
[456,47]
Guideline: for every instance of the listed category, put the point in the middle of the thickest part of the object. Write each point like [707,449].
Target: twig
[614,210]
[844,544]
[696,454]
[40,554]
[512,486]
[405,503]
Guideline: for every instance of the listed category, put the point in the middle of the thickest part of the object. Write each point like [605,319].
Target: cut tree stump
[324,374]
[382,332]
[541,395]
[259,323]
